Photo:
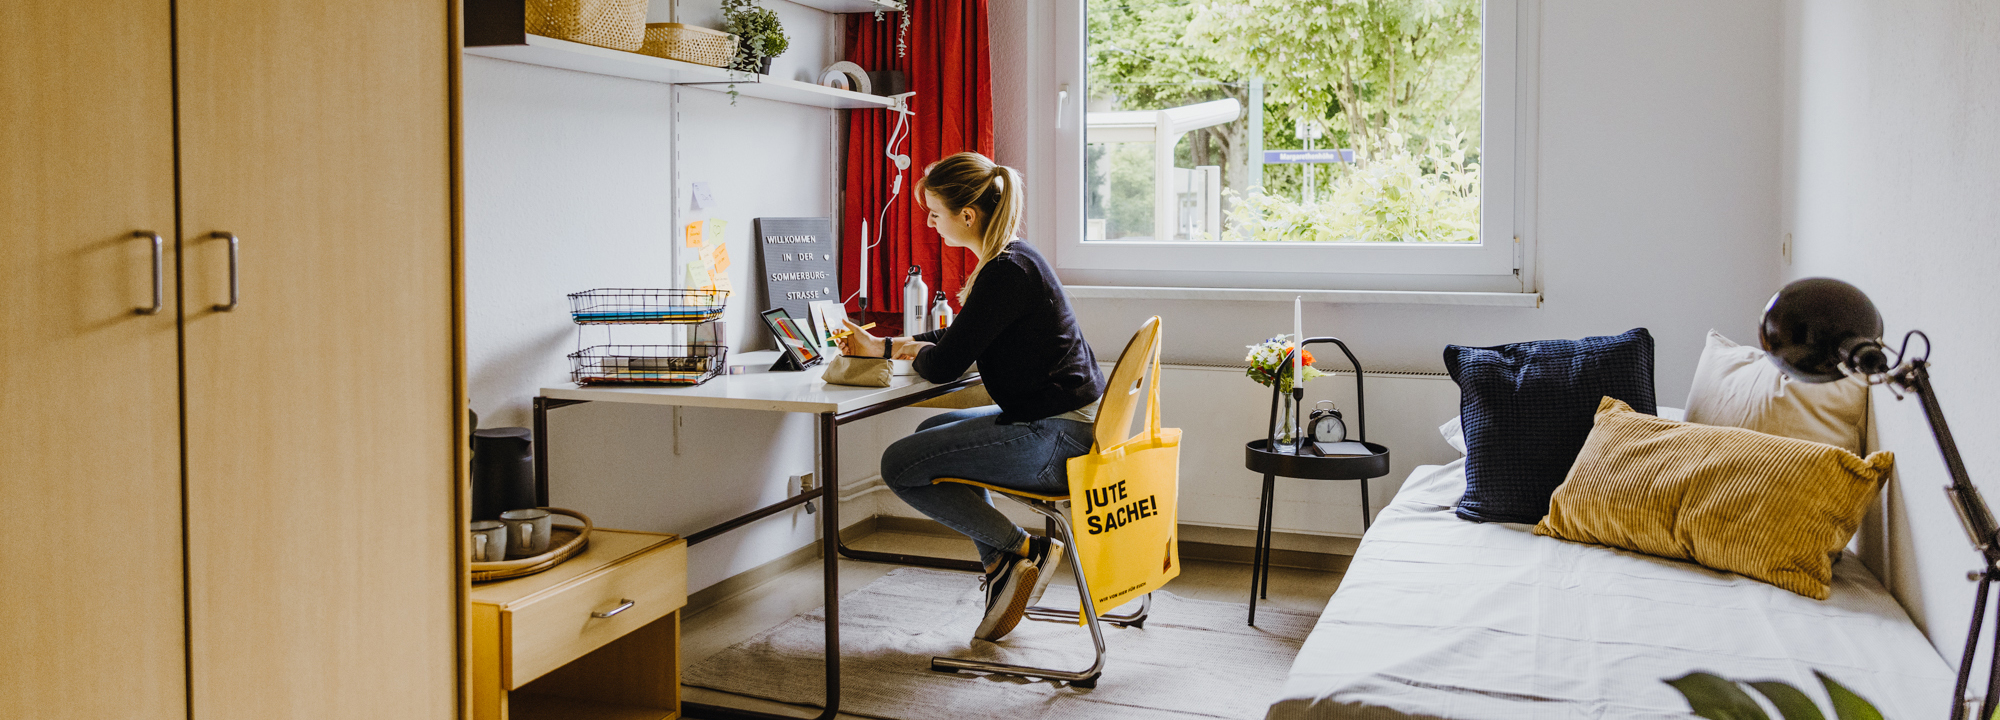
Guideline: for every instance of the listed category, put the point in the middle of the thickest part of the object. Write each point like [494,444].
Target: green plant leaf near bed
[1719,698]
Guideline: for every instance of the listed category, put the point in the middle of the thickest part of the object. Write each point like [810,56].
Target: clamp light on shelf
[1821,330]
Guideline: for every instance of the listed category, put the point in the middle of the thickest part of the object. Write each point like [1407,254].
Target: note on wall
[694,234]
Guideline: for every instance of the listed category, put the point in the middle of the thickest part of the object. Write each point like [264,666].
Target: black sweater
[1018,326]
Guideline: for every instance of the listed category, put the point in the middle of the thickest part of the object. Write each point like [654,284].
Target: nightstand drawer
[551,629]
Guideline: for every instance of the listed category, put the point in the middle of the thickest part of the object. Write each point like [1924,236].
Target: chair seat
[1005,490]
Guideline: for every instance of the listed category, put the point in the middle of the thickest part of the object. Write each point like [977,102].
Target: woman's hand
[859,343]
[904,348]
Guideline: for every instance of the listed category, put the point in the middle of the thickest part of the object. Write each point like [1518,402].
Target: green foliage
[763,36]
[1719,698]
[1400,197]
[1363,65]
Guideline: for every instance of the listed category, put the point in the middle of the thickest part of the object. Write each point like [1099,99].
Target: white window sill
[1341,297]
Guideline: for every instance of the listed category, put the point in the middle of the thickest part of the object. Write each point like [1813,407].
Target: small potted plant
[763,36]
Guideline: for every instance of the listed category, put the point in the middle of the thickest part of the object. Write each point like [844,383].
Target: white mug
[527,532]
[489,541]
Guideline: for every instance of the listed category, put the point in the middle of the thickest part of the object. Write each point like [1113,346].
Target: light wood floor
[765,606]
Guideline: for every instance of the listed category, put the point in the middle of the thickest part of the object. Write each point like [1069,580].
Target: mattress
[1446,618]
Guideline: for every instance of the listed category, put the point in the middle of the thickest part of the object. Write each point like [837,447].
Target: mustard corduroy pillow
[1763,506]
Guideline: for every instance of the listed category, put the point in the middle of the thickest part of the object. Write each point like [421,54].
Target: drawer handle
[622,607]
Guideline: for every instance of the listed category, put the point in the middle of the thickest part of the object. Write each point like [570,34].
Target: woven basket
[687,43]
[615,24]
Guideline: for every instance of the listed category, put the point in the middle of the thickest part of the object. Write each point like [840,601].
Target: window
[1289,143]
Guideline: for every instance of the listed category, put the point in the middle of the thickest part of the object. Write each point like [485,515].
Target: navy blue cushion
[1527,408]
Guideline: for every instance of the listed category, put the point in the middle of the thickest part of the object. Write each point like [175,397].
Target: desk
[801,392]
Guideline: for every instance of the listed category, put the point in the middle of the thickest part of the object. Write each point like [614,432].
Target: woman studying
[1017,325]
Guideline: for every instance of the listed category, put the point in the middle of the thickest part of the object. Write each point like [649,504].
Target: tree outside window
[1395,82]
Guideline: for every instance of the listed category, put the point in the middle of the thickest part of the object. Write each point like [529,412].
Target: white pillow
[1454,434]
[1738,386]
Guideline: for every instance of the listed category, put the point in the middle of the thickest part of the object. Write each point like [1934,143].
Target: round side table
[1273,465]
[1304,464]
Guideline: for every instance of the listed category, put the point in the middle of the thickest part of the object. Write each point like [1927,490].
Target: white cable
[896,136]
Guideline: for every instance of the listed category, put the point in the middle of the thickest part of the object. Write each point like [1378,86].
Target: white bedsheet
[1441,617]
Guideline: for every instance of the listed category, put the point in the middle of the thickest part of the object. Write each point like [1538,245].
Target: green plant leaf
[1791,702]
[1846,704]
[1715,698]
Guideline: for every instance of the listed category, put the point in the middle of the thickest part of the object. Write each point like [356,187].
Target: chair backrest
[1121,391]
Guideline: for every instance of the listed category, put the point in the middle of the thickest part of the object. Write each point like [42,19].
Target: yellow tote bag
[1124,502]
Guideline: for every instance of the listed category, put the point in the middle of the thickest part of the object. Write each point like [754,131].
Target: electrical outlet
[1785,249]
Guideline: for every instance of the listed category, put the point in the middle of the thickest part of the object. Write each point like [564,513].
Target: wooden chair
[1113,426]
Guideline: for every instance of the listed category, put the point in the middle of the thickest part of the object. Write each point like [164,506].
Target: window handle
[159,273]
[234,286]
[1062,104]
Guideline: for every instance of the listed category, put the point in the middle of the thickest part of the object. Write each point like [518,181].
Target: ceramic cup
[489,541]
[527,532]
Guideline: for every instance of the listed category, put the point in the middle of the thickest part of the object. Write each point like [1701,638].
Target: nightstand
[595,637]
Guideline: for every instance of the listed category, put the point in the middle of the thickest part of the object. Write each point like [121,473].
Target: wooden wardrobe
[231,466]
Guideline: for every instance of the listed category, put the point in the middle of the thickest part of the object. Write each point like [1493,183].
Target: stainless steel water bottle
[940,312]
[916,298]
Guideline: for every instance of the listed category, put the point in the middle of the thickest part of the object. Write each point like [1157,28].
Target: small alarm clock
[1324,425]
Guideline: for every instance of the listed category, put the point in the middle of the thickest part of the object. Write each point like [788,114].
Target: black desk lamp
[1820,330]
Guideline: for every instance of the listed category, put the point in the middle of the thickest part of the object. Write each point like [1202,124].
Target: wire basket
[648,364]
[687,43]
[632,306]
[615,24]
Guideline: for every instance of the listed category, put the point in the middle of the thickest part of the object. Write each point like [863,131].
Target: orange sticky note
[694,234]
[721,258]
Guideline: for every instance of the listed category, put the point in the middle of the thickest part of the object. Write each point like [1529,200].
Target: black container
[503,471]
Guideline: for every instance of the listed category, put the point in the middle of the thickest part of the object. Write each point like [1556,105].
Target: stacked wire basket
[690,363]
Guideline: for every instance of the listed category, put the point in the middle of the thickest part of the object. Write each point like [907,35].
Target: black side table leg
[1367,515]
[1270,527]
[1257,556]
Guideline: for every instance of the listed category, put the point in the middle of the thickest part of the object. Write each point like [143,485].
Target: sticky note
[715,228]
[721,258]
[694,234]
[703,197]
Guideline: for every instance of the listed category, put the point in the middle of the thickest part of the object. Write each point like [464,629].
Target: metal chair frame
[1057,513]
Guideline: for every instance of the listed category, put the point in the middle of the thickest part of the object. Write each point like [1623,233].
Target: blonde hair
[971,180]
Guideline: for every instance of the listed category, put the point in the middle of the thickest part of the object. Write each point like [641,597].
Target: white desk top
[756,389]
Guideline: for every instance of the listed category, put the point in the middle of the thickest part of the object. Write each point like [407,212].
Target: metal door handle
[159,273]
[234,286]
[622,607]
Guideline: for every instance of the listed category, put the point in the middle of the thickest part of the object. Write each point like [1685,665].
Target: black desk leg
[829,549]
[1270,527]
[1259,560]
[540,450]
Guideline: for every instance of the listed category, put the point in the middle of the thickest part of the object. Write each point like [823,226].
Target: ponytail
[972,180]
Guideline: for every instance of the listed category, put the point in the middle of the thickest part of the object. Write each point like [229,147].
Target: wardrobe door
[90,568]
[322,401]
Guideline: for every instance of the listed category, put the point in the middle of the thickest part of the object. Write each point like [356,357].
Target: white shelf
[568,55]
[852,6]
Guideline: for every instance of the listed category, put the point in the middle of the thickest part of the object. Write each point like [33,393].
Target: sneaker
[1046,553]
[1007,590]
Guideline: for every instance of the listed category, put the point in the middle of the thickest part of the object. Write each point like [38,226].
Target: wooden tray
[565,541]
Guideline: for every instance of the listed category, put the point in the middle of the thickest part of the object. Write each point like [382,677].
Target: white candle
[1298,341]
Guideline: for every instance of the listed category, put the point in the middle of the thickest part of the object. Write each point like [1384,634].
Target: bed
[1441,617]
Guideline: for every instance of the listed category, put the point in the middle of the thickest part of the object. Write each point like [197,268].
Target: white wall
[1891,164]
[571,185]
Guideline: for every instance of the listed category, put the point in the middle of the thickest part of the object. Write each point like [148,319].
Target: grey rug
[1193,659]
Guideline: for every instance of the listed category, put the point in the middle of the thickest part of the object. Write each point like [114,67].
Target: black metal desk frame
[831,548]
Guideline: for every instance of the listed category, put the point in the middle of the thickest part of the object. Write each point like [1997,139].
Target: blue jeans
[973,445]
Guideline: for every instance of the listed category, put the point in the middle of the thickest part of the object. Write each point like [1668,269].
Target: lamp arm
[1973,511]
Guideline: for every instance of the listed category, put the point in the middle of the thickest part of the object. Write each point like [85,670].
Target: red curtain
[946,65]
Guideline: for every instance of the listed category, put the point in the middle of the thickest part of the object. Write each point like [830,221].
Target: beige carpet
[1193,659]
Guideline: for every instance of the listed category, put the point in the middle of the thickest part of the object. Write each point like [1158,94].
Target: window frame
[1503,261]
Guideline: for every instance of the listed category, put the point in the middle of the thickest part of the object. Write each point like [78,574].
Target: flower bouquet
[1268,363]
